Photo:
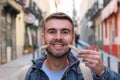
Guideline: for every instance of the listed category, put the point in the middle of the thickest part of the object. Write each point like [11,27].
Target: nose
[58,36]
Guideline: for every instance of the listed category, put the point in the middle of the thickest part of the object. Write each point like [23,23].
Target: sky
[67,6]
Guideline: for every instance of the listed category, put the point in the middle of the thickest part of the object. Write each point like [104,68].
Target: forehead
[58,24]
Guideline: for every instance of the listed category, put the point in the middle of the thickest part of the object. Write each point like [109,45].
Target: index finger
[81,52]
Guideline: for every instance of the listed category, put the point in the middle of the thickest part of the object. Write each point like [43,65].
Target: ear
[43,38]
[73,39]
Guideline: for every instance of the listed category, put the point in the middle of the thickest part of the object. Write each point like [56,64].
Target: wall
[20,30]
[98,32]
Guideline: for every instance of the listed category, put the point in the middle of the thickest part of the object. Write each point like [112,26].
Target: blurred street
[11,70]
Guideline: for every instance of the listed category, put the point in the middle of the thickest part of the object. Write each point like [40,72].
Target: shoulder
[23,72]
[30,73]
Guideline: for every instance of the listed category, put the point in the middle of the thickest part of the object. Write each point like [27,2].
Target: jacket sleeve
[108,75]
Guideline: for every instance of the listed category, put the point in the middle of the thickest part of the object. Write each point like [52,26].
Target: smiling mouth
[44,47]
[58,46]
[58,43]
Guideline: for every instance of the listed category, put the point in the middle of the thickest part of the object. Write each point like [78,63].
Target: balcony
[94,10]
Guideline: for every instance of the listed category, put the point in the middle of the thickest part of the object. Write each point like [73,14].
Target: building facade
[111,25]
[13,27]
[8,32]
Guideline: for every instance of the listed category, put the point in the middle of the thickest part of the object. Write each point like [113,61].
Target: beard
[58,54]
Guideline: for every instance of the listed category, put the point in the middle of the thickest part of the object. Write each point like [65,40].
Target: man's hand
[93,60]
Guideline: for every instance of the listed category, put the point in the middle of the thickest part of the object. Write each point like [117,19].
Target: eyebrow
[66,29]
[51,29]
[61,29]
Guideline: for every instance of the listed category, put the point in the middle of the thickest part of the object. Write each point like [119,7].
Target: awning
[112,7]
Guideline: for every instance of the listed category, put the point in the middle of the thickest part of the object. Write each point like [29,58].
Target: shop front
[110,17]
[7,33]
[33,18]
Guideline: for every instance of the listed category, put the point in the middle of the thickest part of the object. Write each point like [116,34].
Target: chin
[59,54]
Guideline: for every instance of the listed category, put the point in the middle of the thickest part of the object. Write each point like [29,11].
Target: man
[59,63]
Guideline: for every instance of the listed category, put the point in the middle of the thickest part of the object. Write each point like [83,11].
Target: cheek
[69,40]
[48,39]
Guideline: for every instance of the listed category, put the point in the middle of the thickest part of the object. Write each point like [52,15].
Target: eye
[51,31]
[65,32]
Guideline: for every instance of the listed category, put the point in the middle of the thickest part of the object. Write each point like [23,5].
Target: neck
[56,64]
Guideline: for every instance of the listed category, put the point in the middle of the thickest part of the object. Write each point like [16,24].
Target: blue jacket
[72,73]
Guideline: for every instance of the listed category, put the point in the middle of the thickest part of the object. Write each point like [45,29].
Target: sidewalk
[11,70]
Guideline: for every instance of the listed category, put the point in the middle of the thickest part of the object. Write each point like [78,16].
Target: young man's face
[58,33]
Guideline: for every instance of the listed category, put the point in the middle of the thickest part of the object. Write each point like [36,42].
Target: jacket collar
[72,59]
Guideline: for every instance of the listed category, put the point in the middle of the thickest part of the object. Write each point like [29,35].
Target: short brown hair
[59,15]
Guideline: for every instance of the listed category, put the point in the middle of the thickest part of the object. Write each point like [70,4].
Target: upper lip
[58,44]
